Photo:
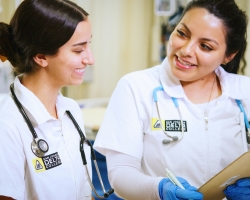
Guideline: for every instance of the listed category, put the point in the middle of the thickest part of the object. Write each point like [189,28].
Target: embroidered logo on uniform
[46,162]
[38,165]
[155,124]
[175,125]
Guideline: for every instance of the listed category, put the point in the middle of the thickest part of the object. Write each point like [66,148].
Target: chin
[76,82]
[181,76]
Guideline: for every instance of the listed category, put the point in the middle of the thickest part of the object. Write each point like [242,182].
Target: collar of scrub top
[175,101]
[33,106]
[169,82]
[173,87]
[40,147]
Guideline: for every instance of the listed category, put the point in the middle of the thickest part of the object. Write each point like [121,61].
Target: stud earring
[3,58]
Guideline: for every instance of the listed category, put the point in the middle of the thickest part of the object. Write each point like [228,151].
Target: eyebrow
[80,43]
[206,39]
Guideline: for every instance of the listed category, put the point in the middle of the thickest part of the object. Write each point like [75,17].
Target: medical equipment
[39,146]
[245,119]
[176,138]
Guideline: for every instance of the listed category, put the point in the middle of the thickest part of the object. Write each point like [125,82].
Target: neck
[44,92]
[203,90]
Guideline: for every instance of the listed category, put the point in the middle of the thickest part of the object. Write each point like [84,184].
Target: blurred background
[128,35]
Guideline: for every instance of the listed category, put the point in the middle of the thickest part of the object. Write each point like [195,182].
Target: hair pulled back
[38,26]
[235,23]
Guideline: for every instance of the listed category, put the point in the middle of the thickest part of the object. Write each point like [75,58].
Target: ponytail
[6,49]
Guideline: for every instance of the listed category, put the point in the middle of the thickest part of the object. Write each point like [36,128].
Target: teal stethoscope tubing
[174,138]
[245,119]
[175,101]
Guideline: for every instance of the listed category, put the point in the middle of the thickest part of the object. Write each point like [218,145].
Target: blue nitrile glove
[169,191]
[238,191]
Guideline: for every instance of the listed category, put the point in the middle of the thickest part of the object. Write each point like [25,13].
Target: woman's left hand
[238,191]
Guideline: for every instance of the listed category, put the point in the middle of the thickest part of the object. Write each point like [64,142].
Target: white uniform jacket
[130,125]
[60,174]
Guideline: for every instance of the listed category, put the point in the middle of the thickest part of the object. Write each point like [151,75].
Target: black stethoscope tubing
[39,146]
[32,130]
[37,141]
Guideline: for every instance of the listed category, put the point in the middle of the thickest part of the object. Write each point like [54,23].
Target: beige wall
[245,5]
[8,10]
[121,43]
[126,38]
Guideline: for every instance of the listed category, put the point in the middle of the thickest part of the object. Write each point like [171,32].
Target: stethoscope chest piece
[39,147]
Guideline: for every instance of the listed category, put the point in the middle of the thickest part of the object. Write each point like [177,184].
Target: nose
[88,58]
[188,49]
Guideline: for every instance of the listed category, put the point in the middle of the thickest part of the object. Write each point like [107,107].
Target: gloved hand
[169,191]
[238,191]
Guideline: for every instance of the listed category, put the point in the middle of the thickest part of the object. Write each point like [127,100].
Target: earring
[224,63]
[3,58]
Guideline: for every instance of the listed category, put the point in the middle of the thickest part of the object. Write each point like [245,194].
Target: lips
[79,70]
[183,64]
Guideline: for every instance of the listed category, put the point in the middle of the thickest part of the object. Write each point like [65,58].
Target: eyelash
[180,33]
[78,51]
[203,46]
[82,50]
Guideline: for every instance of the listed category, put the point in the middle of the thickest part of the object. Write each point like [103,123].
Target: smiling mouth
[79,70]
[185,63]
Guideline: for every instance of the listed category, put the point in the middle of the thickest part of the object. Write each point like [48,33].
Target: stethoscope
[39,146]
[175,101]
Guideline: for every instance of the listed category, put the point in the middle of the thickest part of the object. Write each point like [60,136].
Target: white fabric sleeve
[122,123]
[12,162]
[128,180]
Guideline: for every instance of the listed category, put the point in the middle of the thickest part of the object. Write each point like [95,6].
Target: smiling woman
[47,43]
[68,64]
[199,120]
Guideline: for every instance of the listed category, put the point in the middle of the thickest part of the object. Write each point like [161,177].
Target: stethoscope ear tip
[175,138]
[165,141]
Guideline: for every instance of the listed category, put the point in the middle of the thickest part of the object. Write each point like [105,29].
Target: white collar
[232,85]
[34,108]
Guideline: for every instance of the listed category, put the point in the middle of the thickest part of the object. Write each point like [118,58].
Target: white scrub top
[131,126]
[60,174]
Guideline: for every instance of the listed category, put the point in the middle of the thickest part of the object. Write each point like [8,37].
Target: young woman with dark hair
[182,114]
[48,44]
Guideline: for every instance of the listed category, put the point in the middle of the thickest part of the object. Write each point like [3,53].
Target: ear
[41,60]
[229,58]
[3,58]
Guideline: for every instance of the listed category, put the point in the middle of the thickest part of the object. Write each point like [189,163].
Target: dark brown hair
[235,22]
[38,26]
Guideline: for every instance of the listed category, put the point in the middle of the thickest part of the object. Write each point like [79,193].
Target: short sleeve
[121,129]
[12,159]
